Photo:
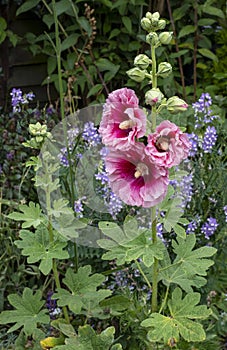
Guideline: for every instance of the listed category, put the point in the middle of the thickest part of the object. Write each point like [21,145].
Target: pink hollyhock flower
[134,178]
[122,121]
[168,145]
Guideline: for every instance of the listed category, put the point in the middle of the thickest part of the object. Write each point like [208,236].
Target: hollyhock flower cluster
[138,172]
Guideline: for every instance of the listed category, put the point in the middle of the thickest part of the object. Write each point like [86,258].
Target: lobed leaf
[181,321]
[27,313]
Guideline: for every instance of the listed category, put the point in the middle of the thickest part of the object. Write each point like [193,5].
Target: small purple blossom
[51,305]
[194,140]
[78,207]
[209,140]
[193,225]
[225,211]
[18,99]
[91,135]
[202,111]
[209,227]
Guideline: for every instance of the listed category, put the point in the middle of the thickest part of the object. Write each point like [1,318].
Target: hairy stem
[154,299]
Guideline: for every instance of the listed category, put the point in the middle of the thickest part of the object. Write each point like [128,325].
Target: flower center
[141,170]
[126,124]
[162,143]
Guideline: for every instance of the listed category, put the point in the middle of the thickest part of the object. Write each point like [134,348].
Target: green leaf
[180,231]
[175,274]
[130,243]
[84,23]
[206,22]
[26,6]
[51,65]
[186,30]
[179,53]
[181,322]
[95,90]
[31,215]
[114,32]
[3,24]
[214,11]
[179,12]
[62,6]
[127,23]
[70,41]
[28,312]
[193,261]
[82,294]
[37,246]
[116,304]
[104,64]
[207,53]
[87,339]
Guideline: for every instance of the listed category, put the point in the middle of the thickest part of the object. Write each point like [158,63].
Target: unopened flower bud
[148,15]
[136,74]
[175,104]
[152,38]
[153,96]
[165,37]
[164,69]
[161,24]
[142,61]
[154,18]
[146,24]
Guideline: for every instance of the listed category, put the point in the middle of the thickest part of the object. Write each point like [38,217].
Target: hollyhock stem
[154,85]
[154,302]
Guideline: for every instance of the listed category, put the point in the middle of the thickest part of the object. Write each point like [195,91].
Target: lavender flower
[51,305]
[78,207]
[91,135]
[209,227]
[194,140]
[225,211]
[209,140]
[193,225]
[203,112]
[17,99]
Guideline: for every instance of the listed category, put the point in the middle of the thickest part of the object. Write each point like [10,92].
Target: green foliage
[87,339]
[180,322]
[130,243]
[83,296]
[189,264]
[31,215]
[27,313]
[37,246]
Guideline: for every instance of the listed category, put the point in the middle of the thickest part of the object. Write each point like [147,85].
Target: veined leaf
[37,246]
[26,6]
[208,53]
[214,11]
[195,262]
[87,339]
[31,215]
[28,311]
[186,30]
[129,243]
[82,293]
[181,321]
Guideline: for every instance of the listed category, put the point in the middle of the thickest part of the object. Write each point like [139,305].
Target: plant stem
[61,93]
[154,299]
[164,301]
[143,274]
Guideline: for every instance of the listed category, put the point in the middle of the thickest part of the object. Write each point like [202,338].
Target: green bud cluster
[152,22]
[39,133]
[155,37]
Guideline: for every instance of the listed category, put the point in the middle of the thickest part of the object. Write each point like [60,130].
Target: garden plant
[123,233]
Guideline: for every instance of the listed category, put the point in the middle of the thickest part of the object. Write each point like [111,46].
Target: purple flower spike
[209,227]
